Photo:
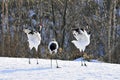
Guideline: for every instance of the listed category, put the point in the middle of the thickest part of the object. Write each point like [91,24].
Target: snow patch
[19,69]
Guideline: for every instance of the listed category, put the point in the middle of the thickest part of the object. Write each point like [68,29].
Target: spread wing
[34,40]
[79,45]
[83,38]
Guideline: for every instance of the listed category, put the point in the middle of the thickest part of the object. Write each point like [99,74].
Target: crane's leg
[51,60]
[37,56]
[37,61]
[85,63]
[81,63]
[84,60]
[29,61]
[29,56]
[81,59]
[57,62]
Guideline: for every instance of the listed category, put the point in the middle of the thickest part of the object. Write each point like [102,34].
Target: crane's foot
[81,64]
[37,63]
[29,62]
[85,64]
[58,67]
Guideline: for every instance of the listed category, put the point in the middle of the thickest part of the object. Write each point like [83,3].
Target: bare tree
[58,17]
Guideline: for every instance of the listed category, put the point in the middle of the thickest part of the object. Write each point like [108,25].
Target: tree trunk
[114,27]
[53,13]
[111,29]
[3,23]
[8,28]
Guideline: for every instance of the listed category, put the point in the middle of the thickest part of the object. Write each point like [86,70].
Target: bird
[82,40]
[53,49]
[34,39]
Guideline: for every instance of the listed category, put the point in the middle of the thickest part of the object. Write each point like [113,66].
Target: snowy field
[19,69]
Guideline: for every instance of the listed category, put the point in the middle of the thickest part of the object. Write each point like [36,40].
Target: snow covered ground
[19,69]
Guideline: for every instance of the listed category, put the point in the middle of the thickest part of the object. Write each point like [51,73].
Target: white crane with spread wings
[34,39]
[82,39]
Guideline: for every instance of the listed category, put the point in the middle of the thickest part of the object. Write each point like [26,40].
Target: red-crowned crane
[34,39]
[82,40]
[53,48]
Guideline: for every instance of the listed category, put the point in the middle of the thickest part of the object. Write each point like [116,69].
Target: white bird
[82,39]
[53,47]
[34,39]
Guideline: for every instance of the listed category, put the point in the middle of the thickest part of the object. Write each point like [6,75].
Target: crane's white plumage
[79,45]
[34,39]
[82,39]
[53,47]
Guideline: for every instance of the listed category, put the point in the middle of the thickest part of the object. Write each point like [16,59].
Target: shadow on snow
[19,70]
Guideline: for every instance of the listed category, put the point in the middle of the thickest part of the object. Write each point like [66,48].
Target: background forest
[58,17]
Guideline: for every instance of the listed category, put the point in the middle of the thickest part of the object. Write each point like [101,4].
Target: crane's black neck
[77,30]
[32,32]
